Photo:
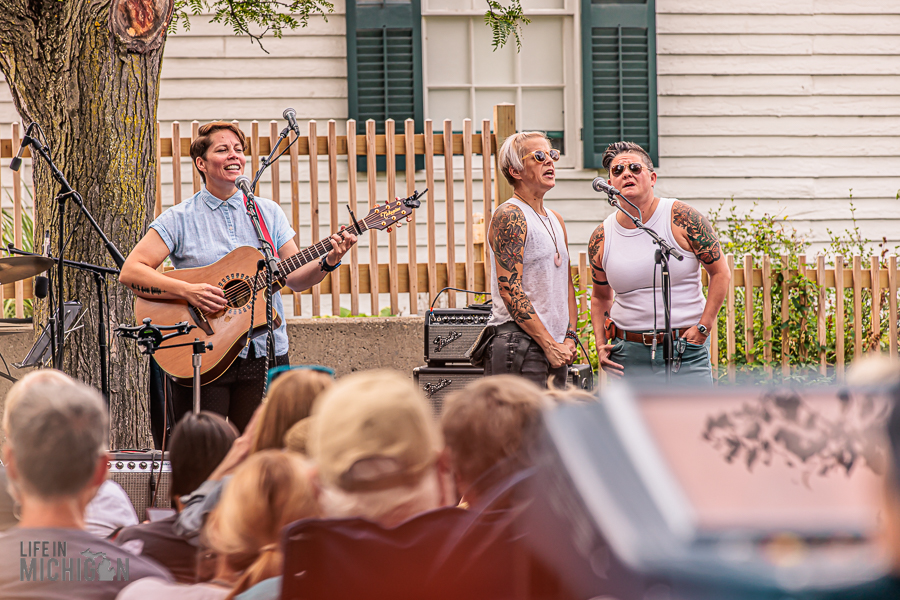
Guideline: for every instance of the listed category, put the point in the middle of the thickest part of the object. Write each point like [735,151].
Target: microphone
[16,162]
[600,185]
[41,286]
[244,184]
[291,115]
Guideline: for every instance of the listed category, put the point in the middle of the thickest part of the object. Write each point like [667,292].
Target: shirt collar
[236,200]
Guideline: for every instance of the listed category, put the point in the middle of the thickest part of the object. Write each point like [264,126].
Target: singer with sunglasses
[626,303]
[534,312]
[198,232]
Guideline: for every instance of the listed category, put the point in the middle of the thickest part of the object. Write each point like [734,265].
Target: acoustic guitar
[236,273]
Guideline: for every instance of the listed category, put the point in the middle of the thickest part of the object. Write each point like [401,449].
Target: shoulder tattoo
[507,236]
[700,233]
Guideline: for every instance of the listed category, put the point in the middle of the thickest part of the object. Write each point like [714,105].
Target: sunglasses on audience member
[541,156]
[635,168]
[276,372]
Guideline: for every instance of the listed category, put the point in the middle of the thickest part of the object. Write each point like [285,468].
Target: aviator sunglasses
[541,156]
[635,168]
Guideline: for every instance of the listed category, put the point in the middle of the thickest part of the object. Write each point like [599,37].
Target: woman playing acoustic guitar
[203,229]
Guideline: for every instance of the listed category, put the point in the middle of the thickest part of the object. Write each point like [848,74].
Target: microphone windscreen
[41,286]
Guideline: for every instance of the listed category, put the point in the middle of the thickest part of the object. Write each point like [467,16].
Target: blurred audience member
[489,427]
[199,443]
[289,400]
[297,437]
[109,511]
[56,460]
[8,509]
[268,491]
[376,449]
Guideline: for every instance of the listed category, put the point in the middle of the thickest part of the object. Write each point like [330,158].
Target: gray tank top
[545,284]
[628,260]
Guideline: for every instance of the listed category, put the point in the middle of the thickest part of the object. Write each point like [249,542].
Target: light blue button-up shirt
[203,229]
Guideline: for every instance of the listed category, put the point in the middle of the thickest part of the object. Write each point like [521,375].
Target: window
[465,78]
[619,57]
[384,65]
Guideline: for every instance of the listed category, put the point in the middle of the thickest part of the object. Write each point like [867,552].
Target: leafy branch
[272,17]
[505,22]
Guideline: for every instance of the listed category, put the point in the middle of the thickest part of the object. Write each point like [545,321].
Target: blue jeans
[695,367]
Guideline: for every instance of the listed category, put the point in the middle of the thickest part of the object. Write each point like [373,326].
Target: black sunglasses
[541,156]
[635,168]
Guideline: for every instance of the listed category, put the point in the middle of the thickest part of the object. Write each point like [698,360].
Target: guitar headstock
[387,215]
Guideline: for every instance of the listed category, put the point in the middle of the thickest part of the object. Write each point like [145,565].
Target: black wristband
[323,264]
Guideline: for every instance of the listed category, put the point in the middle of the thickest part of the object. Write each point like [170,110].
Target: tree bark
[96,103]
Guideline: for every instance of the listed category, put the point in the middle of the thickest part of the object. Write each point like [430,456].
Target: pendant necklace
[557,259]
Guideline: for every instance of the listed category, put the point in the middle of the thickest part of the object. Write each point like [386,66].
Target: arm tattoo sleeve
[507,238]
[594,256]
[700,233]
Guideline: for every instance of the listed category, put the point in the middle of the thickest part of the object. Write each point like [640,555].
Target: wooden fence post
[839,316]
[504,126]
[892,305]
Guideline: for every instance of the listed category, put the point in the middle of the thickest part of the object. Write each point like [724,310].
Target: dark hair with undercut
[617,148]
[199,443]
[204,140]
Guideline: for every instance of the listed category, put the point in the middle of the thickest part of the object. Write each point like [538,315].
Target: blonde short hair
[511,152]
[489,421]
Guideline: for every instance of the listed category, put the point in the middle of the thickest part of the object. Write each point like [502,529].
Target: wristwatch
[703,329]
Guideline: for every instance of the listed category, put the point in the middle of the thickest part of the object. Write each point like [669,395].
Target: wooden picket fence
[426,274]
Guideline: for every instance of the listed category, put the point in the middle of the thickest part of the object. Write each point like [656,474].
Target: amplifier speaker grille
[450,332]
[132,470]
[438,382]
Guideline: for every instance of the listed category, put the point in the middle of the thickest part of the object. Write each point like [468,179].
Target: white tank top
[628,260]
[545,284]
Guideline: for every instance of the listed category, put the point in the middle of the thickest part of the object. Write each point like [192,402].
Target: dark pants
[235,394]
[517,354]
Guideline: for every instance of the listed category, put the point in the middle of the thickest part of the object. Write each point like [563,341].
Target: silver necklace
[557,259]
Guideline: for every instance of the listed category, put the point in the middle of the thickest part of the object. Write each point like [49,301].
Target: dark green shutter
[619,57]
[384,66]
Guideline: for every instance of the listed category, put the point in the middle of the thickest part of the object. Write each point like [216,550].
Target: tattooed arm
[139,273]
[602,297]
[695,233]
[507,239]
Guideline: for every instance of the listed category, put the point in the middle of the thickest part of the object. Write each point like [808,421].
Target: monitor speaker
[137,473]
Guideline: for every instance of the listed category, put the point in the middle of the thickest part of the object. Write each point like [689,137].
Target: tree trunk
[96,103]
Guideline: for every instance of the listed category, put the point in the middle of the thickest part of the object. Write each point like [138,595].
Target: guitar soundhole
[237,292]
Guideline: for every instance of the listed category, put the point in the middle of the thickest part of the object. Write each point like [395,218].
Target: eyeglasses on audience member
[276,372]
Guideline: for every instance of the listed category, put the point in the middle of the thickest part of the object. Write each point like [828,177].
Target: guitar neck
[308,255]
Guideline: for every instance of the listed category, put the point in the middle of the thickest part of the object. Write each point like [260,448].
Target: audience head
[199,443]
[297,437]
[489,426]
[56,432]
[268,491]
[376,449]
[290,399]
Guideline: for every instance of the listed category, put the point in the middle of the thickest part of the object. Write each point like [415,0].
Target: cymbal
[16,268]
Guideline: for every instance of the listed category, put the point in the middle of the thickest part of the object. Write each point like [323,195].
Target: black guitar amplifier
[137,473]
[450,332]
[581,377]
[437,382]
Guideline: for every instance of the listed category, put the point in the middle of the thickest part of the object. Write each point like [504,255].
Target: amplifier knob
[130,464]
[120,465]
[143,465]
[469,320]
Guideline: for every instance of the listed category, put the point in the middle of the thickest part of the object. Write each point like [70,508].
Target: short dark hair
[617,148]
[199,443]
[204,140]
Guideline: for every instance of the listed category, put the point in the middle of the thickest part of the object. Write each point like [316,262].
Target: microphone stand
[270,262]
[66,191]
[100,274]
[664,253]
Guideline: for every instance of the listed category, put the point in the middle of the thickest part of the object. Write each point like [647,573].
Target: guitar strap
[265,230]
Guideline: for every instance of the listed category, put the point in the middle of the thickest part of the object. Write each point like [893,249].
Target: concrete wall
[346,345]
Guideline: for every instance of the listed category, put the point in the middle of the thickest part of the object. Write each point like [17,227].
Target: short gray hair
[56,428]
[511,152]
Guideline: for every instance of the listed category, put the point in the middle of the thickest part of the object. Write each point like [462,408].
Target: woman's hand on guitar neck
[208,298]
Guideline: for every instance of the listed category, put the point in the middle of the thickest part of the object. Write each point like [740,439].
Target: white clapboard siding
[790,106]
